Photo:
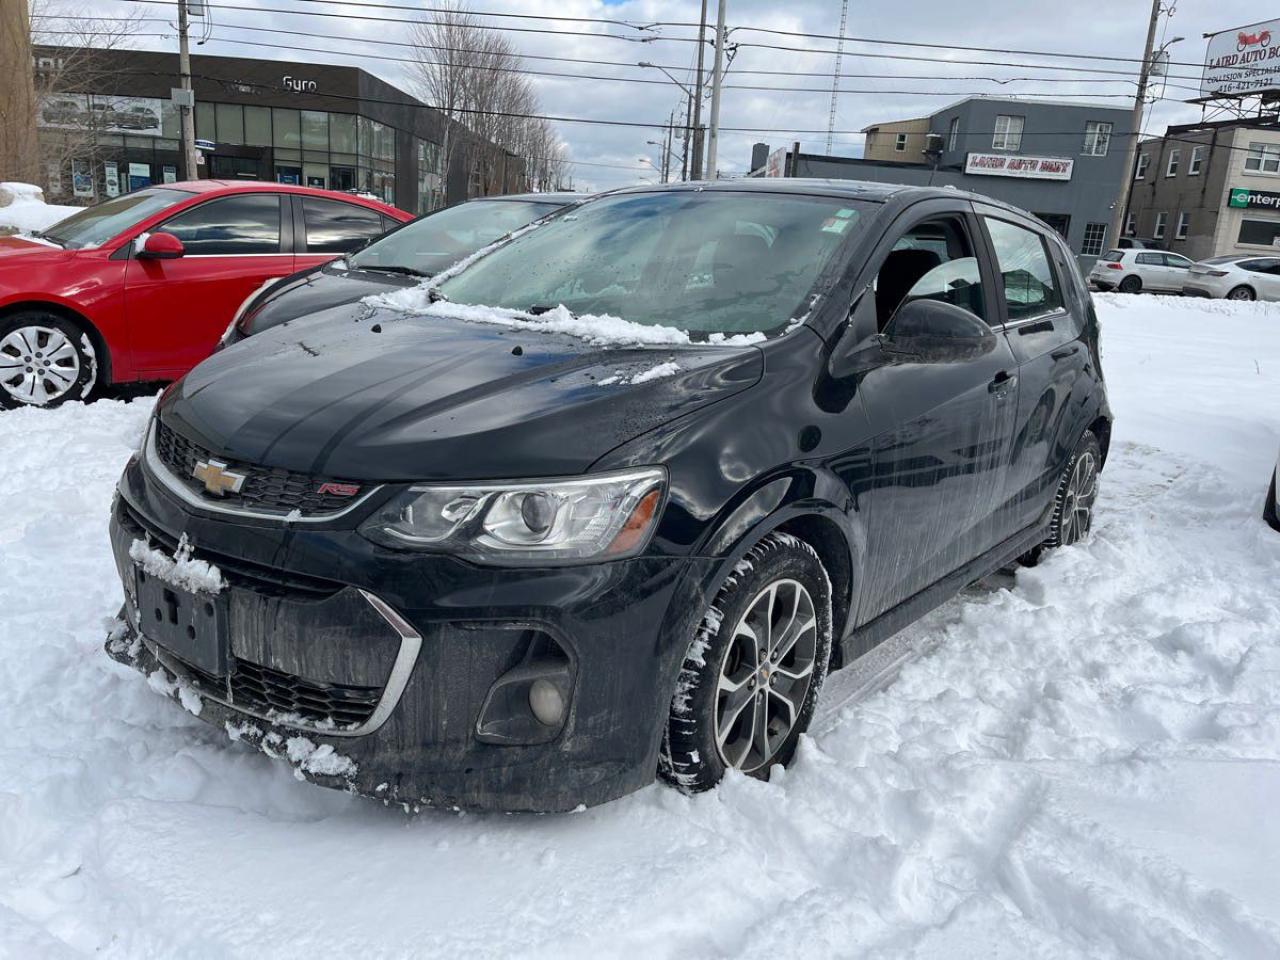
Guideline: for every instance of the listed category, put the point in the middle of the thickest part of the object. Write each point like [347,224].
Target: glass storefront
[334,151]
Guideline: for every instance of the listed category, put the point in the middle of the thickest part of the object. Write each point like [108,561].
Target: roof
[258,186]
[854,189]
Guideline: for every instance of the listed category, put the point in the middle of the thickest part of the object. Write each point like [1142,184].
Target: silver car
[1134,270]
[1237,277]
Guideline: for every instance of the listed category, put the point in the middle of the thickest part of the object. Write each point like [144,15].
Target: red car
[140,287]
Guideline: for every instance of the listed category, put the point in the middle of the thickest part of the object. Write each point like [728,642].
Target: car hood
[320,288]
[18,249]
[394,397]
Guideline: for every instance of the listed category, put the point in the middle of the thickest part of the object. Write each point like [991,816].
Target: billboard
[1243,62]
[138,116]
[1018,165]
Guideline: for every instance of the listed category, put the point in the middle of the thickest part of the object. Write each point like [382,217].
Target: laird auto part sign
[1016,165]
[1243,61]
[1257,199]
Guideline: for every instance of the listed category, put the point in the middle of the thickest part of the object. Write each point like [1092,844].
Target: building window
[315,130]
[1162,219]
[953,133]
[257,126]
[1131,224]
[1184,225]
[342,132]
[286,131]
[1259,232]
[900,142]
[1175,155]
[1144,161]
[1095,234]
[1197,161]
[230,118]
[1008,135]
[1263,158]
[1097,138]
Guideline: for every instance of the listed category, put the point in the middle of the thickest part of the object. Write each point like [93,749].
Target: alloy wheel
[765,675]
[1240,293]
[1077,502]
[38,365]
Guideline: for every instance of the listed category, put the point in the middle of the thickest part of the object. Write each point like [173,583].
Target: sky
[879,87]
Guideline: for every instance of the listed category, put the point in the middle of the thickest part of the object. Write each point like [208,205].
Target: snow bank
[1081,760]
[22,209]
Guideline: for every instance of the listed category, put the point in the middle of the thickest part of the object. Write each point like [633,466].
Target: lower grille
[260,689]
[263,690]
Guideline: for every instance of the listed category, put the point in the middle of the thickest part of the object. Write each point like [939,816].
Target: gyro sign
[1018,165]
[1243,62]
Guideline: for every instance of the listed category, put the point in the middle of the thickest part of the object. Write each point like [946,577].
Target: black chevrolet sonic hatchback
[611,500]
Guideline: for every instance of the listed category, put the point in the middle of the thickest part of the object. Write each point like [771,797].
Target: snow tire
[770,621]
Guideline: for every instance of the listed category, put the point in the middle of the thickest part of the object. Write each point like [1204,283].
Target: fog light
[547,702]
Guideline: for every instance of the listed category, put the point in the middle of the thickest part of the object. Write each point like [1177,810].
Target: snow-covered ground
[22,209]
[1082,760]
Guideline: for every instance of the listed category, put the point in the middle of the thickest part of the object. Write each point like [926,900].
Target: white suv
[1237,277]
[1131,271]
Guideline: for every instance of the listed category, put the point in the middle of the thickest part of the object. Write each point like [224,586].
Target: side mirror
[158,246]
[934,331]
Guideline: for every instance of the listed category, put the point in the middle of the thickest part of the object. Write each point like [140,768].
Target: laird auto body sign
[1016,165]
[1243,61]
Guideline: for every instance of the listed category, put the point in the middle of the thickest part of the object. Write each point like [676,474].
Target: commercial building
[1209,189]
[897,141]
[114,129]
[1062,161]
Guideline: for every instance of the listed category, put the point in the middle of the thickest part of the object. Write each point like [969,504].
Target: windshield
[94,226]
[706,262]
[439,240]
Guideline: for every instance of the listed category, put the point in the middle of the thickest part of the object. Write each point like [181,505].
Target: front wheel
[1241,293]
[44,360]
[752,673]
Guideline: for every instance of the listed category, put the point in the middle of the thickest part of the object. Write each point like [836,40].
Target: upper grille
[267,489]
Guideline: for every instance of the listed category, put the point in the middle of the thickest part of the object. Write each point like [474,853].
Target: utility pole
[19,154]
[1139,106]
[666,151]
[688,137]
[717,81]
[186,110]
[695,165]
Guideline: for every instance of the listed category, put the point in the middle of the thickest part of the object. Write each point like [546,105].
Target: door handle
[1001,383]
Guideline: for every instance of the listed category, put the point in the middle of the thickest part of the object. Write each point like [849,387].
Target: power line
[1120,76]
[643,80]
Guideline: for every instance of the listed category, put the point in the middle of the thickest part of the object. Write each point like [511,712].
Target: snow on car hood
[389,396]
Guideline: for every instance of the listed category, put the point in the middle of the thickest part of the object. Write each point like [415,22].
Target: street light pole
[717,81]
[186,112]
[1139,105]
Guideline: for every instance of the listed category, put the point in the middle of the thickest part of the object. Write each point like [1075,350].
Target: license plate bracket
[192,626]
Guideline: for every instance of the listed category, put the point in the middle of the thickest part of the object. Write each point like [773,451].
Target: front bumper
[440,650]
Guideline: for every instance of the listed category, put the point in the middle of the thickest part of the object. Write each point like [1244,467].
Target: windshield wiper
[41,235]
[394,268]
[538,309]
[435,296]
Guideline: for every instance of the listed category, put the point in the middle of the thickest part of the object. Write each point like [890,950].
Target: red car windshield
[94,226]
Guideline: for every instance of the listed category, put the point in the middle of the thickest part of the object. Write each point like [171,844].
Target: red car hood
[16,249]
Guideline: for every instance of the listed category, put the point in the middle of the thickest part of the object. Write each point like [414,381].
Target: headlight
[600,517]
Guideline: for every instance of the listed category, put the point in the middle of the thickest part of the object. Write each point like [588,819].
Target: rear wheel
[45,360]
[1242,293]
[1131,284]
[752,673]
[1073,503]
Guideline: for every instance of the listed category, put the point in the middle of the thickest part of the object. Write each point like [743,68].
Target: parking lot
[992,785]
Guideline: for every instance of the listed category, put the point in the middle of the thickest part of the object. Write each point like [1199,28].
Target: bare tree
[471,75]
[71,62]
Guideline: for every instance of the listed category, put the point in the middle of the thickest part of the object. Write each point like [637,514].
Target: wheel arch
[102,351]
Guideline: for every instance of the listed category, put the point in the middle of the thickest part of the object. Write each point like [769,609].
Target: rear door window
[230,226]
[1150,259]
[1030,287]
[337,227]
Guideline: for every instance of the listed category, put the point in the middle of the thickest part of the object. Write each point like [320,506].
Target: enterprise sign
[1244,197]
[1016,165]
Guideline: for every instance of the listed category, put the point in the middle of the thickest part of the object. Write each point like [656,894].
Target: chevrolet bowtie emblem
[217,479]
